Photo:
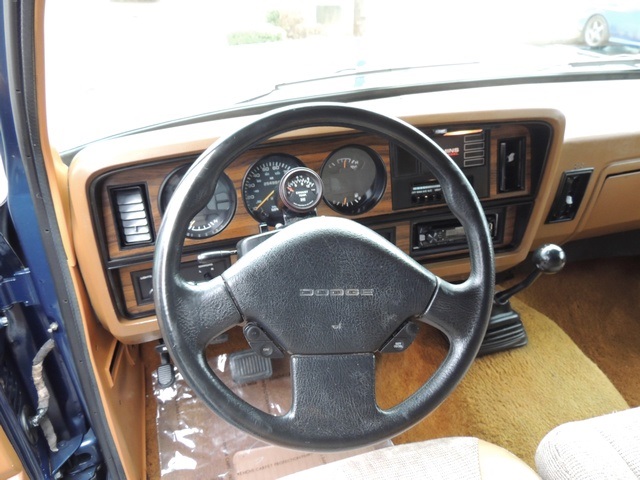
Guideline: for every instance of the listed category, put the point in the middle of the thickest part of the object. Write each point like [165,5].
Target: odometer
[260,186]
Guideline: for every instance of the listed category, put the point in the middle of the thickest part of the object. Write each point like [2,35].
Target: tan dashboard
[517,175]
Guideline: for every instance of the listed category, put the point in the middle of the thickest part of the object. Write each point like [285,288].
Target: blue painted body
[41,311]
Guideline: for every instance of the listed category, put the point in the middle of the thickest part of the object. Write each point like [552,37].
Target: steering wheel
[331,339]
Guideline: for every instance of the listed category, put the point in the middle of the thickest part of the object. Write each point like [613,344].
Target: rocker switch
[260,343]
[401,339]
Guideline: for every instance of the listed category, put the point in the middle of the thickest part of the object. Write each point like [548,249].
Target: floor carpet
[597,303]
[511,398]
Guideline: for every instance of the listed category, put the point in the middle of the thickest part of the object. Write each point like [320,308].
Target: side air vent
[131,210]
[573,186]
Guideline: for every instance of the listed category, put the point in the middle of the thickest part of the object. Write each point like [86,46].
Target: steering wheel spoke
[453,308]
[202,312]
[333,392]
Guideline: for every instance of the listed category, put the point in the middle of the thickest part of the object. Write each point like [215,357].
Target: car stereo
[445,232]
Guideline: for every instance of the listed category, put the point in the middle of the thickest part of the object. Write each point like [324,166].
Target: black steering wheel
[331,339]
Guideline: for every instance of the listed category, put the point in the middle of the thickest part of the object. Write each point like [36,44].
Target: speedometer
[260,186]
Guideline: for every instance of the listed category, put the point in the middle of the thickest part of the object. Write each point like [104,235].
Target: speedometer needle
[264,201]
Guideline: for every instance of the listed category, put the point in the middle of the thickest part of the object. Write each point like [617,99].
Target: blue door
[52,426]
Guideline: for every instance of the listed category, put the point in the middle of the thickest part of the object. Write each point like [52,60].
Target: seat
[456,458]
[606,447]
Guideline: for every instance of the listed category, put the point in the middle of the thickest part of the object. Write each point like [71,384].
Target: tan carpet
[512,398]
[597,303]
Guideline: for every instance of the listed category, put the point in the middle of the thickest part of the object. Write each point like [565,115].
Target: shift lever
[505,329]
[547,259]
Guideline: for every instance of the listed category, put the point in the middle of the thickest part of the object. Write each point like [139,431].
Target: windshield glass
[114,66]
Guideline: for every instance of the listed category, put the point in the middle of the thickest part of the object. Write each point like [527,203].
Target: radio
[447,233]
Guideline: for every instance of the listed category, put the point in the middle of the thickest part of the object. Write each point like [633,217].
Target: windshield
[114,66]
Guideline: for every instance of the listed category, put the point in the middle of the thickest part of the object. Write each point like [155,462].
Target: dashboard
[512,159]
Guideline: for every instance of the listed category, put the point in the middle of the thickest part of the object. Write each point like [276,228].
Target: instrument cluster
[352,180]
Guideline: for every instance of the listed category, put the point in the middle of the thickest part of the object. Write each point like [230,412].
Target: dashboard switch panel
[426,194]
[193,272]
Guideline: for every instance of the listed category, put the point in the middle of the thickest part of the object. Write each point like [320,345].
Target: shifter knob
[505,328]
[549,258]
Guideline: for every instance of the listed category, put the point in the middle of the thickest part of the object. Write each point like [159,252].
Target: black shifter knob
[549,258]
[505,328]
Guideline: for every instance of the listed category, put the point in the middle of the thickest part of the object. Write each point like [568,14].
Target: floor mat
[194,443]
[597,303]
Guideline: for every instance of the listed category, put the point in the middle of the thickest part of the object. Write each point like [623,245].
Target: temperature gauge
[300,190]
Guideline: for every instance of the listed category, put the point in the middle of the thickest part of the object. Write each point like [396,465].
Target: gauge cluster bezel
[373,195]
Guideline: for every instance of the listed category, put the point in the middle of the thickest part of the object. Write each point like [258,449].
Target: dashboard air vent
[511,164]
[132,215]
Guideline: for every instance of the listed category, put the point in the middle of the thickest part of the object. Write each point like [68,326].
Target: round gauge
[354,179]
[215,216]
[260,186]
[300,189]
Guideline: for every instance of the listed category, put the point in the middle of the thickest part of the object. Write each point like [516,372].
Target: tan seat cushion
[457,458]
[606,447]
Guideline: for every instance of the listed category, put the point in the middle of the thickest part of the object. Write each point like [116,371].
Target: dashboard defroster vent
[131,210]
